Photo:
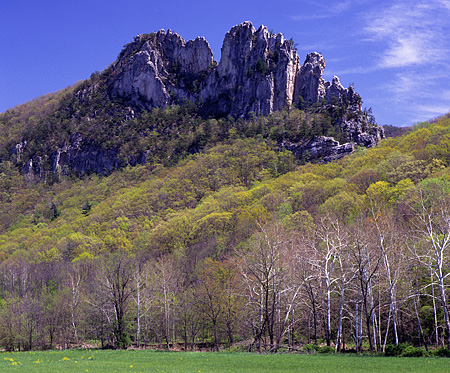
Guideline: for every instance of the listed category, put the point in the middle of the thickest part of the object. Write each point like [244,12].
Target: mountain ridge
[258,75]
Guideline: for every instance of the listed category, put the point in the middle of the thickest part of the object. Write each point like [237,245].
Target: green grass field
[199,362]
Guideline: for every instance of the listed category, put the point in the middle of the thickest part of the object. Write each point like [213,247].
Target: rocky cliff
[258,74]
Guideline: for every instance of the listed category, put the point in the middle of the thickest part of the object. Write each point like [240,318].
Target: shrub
[311,348]
[392,350]
[395,350]
[261,66]
[326,350]
[441,352]
[411,351]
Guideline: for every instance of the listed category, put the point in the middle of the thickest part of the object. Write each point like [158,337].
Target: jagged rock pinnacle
[258,72]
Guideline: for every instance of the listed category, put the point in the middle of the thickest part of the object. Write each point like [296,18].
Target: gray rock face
[328,149]
[83,156]
[18,150]
[149,71]
[322,148]
[309,85]
[258,72]
[78,154]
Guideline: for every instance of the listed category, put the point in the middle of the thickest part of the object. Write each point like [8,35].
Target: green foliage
[384,194]
[86,209]
[344,205]
[311,348]
[261,66]
[218,193]
[123,340]
[411,351]
[395,350]
[441,352]
[404,350]
[326,350]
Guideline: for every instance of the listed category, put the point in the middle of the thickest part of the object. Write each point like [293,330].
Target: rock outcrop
[325,149]
[77,155]
[259,73]
[256,73]
[156,69]
[84,156]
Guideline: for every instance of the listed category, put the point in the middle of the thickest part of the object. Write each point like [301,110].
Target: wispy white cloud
[339,7]
[402,52]
[399,48]
[308,17]
[417,85]
[411,39]
[317,47]
[418,96]
[446,95]
[326,10]
[433,110]
[356,70]
[413,32]
[445,3]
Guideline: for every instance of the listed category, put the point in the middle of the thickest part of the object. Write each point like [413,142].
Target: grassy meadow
[198,362]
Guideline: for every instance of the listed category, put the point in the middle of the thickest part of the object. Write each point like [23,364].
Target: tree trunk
[216,337]
[341,308]
[419,327]
[434,311]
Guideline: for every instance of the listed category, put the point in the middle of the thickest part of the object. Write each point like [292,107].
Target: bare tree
[271,272]
[432,225]
[114,279]
[262,272]
[163,286]
[366,261]
[190,319]
[139,294]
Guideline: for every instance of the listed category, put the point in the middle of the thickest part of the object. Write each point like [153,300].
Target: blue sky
[395,52]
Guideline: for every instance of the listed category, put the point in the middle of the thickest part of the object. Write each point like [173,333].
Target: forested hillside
[239,244]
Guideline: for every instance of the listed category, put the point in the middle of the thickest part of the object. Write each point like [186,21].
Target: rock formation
[325,149]
[259,73]
[78,154]
[154,69]
[256,73]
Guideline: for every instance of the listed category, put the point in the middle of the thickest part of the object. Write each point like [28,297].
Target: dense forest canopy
[238,242]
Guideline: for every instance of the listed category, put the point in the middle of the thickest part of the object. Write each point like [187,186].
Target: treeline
[359,274]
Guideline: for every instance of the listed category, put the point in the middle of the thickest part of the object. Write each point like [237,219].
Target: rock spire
[258,72]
